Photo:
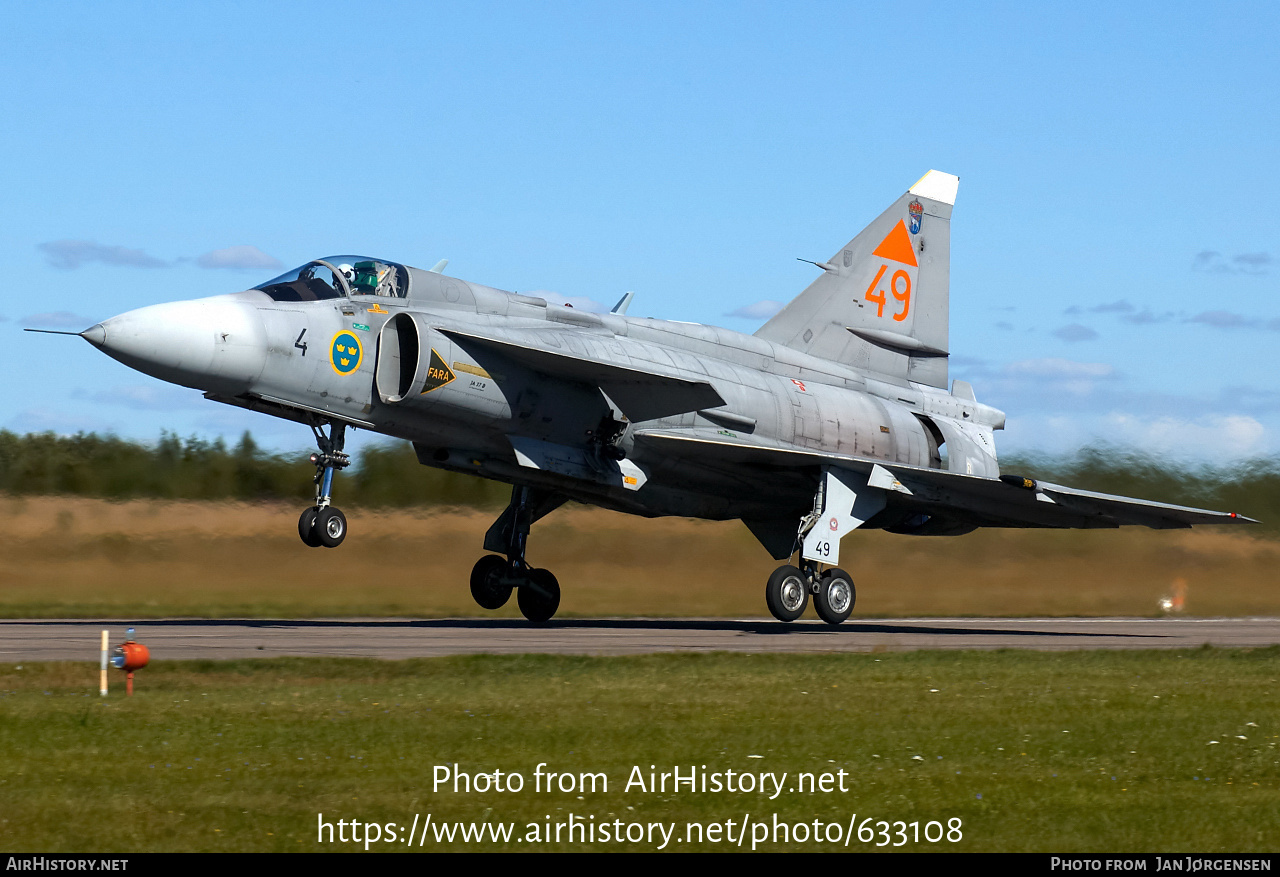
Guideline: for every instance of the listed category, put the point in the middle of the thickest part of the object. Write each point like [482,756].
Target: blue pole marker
[345,352]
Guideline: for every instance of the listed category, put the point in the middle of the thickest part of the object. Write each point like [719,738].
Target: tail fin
[882,302]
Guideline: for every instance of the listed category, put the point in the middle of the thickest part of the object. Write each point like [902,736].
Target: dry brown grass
[67,557]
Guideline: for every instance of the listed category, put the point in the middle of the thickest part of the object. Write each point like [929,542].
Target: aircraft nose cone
[95,335]
[213,344]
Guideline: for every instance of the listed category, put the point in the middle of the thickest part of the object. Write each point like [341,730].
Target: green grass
[1086,751]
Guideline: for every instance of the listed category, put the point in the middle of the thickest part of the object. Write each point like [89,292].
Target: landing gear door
[848,502]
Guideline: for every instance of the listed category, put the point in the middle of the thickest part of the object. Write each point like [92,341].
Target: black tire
[836,596]
[787,593]
[538,596]
[487,587]
[331,525]
[307,528]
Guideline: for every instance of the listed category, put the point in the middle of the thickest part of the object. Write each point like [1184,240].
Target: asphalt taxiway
[391,638]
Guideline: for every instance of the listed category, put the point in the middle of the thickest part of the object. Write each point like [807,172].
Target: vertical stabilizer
[882,301]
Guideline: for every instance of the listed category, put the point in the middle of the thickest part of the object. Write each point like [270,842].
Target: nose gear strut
[323,523]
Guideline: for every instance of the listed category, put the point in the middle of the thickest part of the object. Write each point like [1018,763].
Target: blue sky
[1115,249]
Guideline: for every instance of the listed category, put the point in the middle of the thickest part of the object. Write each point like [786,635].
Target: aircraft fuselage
[463,405]
[835,415]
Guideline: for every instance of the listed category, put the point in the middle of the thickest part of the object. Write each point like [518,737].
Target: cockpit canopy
[339,277]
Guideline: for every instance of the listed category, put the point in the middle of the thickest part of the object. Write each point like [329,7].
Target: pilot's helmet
[348,272]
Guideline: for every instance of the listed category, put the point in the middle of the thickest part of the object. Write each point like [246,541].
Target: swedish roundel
[345,353]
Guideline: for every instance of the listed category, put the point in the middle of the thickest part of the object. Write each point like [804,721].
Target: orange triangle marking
[897,246]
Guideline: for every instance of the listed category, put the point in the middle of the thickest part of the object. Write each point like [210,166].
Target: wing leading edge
[992,502]
[640,394]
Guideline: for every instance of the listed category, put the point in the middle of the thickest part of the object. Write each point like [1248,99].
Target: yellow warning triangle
[897,246]
[438,374]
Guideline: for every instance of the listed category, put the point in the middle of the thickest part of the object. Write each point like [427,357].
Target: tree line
[110,467]
[389,474]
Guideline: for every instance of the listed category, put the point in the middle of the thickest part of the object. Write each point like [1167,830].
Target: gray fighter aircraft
[834,416]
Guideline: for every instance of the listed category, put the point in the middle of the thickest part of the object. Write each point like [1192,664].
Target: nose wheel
[331,525]
[325,527]
[307,528]
[324,524]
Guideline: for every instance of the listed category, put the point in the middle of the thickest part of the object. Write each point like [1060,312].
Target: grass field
[150,558]
[1154,752]
[1054,752]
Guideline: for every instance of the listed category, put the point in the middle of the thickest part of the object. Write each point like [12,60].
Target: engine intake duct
[399,356]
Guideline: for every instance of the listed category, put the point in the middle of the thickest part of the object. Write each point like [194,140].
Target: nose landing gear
[324,524]
[307,528]
[493,578]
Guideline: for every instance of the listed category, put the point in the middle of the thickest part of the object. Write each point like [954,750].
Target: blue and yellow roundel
[345,353]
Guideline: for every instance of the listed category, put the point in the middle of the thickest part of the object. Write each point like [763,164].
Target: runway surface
[181,639]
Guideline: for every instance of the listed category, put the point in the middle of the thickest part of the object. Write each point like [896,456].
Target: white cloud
[58,320]
[57,420]
[1115,307]
[1223,320]
[1212,436]
[1146,317]
[1230,320]
[1035,383]
[1074,332]
[1243,263]
[761,310]
[1056,368]
[145,397]
[241,258]
[71,254]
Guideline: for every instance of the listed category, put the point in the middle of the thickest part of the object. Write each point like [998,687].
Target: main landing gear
[843,502]
[323,524]
[787,592]
[493,578]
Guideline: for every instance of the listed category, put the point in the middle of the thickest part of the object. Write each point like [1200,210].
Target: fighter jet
[836,415]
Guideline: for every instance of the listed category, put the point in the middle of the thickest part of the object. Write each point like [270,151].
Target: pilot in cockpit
[372,279]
